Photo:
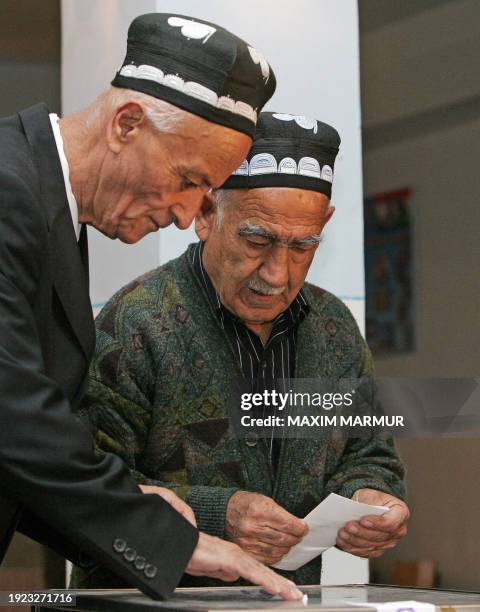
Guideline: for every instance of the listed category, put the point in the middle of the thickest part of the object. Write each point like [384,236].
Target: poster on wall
[388,272]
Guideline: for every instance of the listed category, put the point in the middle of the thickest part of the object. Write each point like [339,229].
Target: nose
[274,269]
[185,210]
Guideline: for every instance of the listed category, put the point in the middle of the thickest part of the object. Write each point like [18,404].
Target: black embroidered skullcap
[289,151]
[199,67]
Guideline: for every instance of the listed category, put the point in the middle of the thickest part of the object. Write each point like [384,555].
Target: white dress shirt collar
[72,202]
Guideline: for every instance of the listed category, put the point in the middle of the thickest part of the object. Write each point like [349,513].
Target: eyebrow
[250,229]
[313,239]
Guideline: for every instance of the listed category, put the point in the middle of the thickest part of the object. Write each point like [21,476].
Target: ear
[205,219]
[329,213]
[125,125]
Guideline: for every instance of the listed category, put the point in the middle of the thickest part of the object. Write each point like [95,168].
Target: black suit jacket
[53,485]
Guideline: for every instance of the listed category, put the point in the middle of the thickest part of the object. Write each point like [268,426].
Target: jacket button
[130,554]
[119,545]
[251,439]
[139,562]
[150,571]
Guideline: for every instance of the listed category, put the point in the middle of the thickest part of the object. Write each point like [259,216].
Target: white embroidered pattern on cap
[287,166]
[258,58]
[307,123]
[192,29]
[327,173]
[242,169]
[309,166]
[191,89]
[265,163]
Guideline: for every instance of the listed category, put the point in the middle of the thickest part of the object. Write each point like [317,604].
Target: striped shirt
[266,366]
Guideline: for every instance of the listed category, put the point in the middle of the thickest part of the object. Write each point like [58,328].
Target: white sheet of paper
[397,606]
[324,522]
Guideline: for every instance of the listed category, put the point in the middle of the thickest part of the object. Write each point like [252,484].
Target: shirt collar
[296,312]
[72,202]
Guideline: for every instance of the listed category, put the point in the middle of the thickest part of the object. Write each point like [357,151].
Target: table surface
[324,598]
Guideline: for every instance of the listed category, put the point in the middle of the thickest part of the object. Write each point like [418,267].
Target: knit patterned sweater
[158,398]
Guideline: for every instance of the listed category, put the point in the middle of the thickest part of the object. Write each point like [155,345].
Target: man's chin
[130,235]
[261,302]
[259,314]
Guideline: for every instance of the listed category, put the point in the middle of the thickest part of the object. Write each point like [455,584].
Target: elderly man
[178,119]
[236,304]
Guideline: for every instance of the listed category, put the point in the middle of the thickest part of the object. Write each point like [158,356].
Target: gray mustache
[258,285]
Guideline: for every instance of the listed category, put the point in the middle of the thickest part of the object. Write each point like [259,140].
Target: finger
[180,506]
[226,576]
[391,521]
[273,583]
[401,532]
[281,520]
[268,535]
[355,530]
[254,546]
[361,543]
[365,551]
[268,561]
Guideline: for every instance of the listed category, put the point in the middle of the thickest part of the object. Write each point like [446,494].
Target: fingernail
[368,524]
[353,529]
[296,593]
[305,600]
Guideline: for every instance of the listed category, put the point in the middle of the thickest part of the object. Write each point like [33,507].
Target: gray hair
[222,198]
[163,117]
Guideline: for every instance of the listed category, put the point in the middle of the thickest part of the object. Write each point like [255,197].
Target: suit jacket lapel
[70,274]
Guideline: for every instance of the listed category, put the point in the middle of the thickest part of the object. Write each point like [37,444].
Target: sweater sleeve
[370,461]
[121,425]
[120,407]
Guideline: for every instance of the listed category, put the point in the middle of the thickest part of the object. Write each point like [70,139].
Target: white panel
[94,38]
[313,48]
[357,308]
[94,41]
[341,568]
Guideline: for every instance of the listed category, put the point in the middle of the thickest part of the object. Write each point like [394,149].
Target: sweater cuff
[349,488]
[210,507]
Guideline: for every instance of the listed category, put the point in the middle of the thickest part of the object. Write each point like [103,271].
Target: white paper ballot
[396,606]
[324,522]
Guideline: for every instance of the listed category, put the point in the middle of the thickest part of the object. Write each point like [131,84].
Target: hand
[261,527]
[219,559]
[373,535]
[169,496]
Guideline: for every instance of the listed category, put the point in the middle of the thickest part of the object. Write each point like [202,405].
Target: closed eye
[258,243]
[304,247]
[188,184]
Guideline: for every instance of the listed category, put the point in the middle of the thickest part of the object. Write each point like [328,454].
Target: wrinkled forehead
[278,206]
[200,147]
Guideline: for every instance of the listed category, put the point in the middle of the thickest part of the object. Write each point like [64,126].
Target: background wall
[29,55]
[421,128]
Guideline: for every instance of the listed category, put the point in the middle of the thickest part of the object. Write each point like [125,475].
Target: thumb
[176,502]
